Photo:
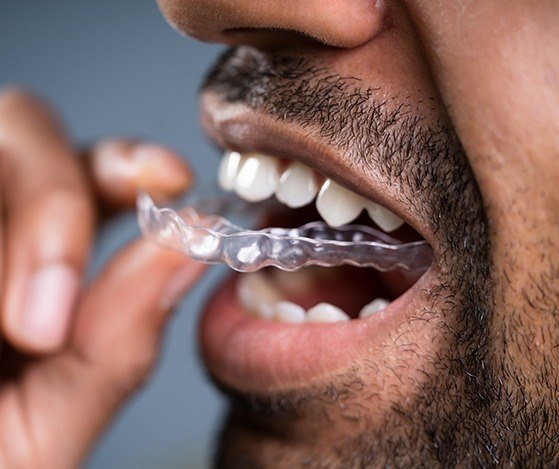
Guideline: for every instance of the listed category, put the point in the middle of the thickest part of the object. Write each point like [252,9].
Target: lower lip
[252,354]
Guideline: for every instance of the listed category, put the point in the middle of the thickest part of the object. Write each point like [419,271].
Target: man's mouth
[312,294]
[274,329]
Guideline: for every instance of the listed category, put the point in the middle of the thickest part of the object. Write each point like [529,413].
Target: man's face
[447,114]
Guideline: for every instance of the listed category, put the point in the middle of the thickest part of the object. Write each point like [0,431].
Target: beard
[464,411]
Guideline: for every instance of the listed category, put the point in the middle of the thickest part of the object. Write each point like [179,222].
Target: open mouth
[315,294]
[274,329]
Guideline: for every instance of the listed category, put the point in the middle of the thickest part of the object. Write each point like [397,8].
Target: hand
[72,354]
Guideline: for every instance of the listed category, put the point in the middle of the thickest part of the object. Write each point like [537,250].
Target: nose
[339,23]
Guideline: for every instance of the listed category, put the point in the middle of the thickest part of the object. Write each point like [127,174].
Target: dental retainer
[214,239]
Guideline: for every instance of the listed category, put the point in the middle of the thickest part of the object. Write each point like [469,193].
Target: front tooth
[286,311]
[297,186]
[325,312]
[338,205]
[373,307]
[258,178]
[228,169]
[257,295]
[383,217]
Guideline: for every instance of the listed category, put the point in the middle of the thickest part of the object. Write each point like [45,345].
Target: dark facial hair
[454,417]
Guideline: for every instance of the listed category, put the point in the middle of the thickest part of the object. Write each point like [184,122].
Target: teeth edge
[259,297]
[256,177]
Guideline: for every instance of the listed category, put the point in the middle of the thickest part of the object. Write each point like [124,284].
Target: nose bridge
[340,23]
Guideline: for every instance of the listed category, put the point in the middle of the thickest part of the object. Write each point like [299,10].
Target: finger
[144,282]
[2,240]
[119,168]
[49,222]
[115,342]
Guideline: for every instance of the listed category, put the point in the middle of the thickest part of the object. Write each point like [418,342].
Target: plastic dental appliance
[214,239]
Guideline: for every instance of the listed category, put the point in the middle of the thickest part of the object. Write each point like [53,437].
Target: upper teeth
[338,205]
[256,177]
[297,186]
[228,169]
[383,217]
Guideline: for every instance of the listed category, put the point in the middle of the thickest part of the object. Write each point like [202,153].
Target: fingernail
[178,285]
[48,305]
[159,171]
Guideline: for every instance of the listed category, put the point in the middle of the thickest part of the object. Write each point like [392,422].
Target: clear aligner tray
[214,239]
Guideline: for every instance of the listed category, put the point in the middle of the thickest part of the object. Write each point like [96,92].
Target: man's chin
[391,406]
[360,416]
[341,425]
[288,429]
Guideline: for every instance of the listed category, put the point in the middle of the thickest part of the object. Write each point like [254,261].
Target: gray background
[116,68]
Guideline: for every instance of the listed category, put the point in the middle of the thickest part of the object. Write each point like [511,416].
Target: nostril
[270,38]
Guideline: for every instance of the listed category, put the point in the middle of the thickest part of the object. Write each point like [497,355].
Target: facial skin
[450,108]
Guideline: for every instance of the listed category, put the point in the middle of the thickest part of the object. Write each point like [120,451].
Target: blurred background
[116,68]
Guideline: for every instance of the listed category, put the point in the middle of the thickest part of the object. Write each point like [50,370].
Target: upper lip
[240,128]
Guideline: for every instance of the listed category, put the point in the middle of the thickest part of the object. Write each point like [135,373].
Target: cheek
[499,80]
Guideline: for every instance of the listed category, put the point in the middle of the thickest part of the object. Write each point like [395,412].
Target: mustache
[380,135]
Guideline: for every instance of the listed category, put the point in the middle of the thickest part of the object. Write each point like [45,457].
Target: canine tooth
[258,178]
[383,217]
[297,186]
[373,307]
[257,295]
[286,311]
[338,205]
[228,169]
[325,312]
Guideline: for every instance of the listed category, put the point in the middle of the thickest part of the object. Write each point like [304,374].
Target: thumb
[123,313]
[115,342]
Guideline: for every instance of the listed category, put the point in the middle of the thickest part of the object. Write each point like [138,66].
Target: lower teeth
[325,312]
[286,311]
[260,298]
